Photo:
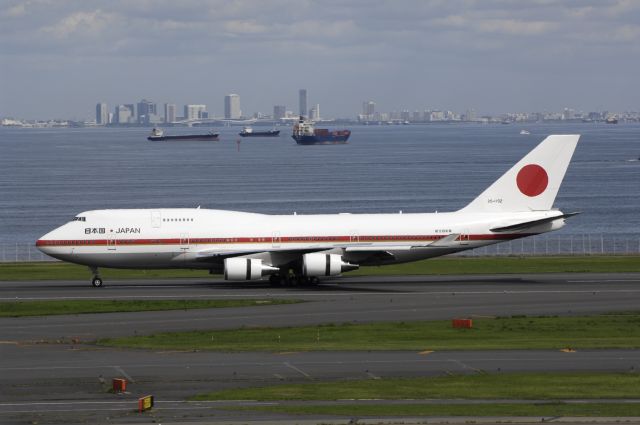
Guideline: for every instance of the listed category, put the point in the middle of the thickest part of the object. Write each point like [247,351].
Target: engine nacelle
[317,264]
[246,269]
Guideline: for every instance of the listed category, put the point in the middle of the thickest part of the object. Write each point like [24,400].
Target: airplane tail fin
[532,184]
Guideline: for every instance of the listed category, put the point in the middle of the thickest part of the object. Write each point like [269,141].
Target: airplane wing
[445,242]
[387,251]
[384,252]
[528,224]
[208,255]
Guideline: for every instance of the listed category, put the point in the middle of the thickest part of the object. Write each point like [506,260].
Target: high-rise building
[169,112]
[471,115]
[232,107]
[302,101]
[368,108]
[194,112]
[314,113]
[568,114]
[102,115]
[132,108]
[123,114]
[279,111]
[146,109]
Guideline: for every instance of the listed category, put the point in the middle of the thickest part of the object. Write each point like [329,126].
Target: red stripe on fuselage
[279,240]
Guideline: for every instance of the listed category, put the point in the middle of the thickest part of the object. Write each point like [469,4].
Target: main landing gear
[97,280]
[292,279]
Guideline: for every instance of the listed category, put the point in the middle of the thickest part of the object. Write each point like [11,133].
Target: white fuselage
[199,238]
[248,246]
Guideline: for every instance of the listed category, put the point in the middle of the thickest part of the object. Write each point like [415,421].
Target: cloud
[244,27]
[515,27]
[359,43]
[319,29]
[81,24]
[15,10]
[627,33]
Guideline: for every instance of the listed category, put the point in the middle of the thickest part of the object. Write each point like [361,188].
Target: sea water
[49,175]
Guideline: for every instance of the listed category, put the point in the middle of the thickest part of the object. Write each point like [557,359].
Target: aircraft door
[464,237]
[156,219]
[276,239]
[184,242]
[111,243]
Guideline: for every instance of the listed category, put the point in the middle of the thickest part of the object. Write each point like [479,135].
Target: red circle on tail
[532,180]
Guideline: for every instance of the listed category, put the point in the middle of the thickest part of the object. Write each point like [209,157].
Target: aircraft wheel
[313,280]
[275,280]
[288,280]
[96,282]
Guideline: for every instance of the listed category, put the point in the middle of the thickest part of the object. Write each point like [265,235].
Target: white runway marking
[604,280]
[632,355]
[372,376]
[465,366]
[65,403]
[125,374]
[302,372]
[340,294]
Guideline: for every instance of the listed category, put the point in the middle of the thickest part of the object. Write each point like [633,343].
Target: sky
[58,58]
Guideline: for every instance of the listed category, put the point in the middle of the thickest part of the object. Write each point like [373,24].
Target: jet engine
[246,269]
[317,264]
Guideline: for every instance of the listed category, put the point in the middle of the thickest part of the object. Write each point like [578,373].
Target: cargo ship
[157,135]
[304,133]
[249,132]
[611,120]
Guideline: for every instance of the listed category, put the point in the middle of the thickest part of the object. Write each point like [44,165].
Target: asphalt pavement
[49,374]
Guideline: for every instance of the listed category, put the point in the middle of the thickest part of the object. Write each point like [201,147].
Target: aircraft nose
[42,244]
[45,243]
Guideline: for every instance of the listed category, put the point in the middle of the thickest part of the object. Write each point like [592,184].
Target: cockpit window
[79,218]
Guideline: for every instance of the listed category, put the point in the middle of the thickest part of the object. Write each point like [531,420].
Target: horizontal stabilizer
[533,223]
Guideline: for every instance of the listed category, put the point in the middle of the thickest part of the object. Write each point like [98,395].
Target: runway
[358,299]
[44,376]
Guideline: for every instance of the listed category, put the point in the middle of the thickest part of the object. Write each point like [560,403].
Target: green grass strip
[436,266]
[523,386]
[47,308]
[498,409]
[603,331]
[505,265]
[66,271]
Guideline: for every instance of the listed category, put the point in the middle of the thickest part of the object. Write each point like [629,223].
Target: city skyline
[58,58]
[368,113]
[150,113]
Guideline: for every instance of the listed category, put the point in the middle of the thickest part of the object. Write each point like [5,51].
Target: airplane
[300,249]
